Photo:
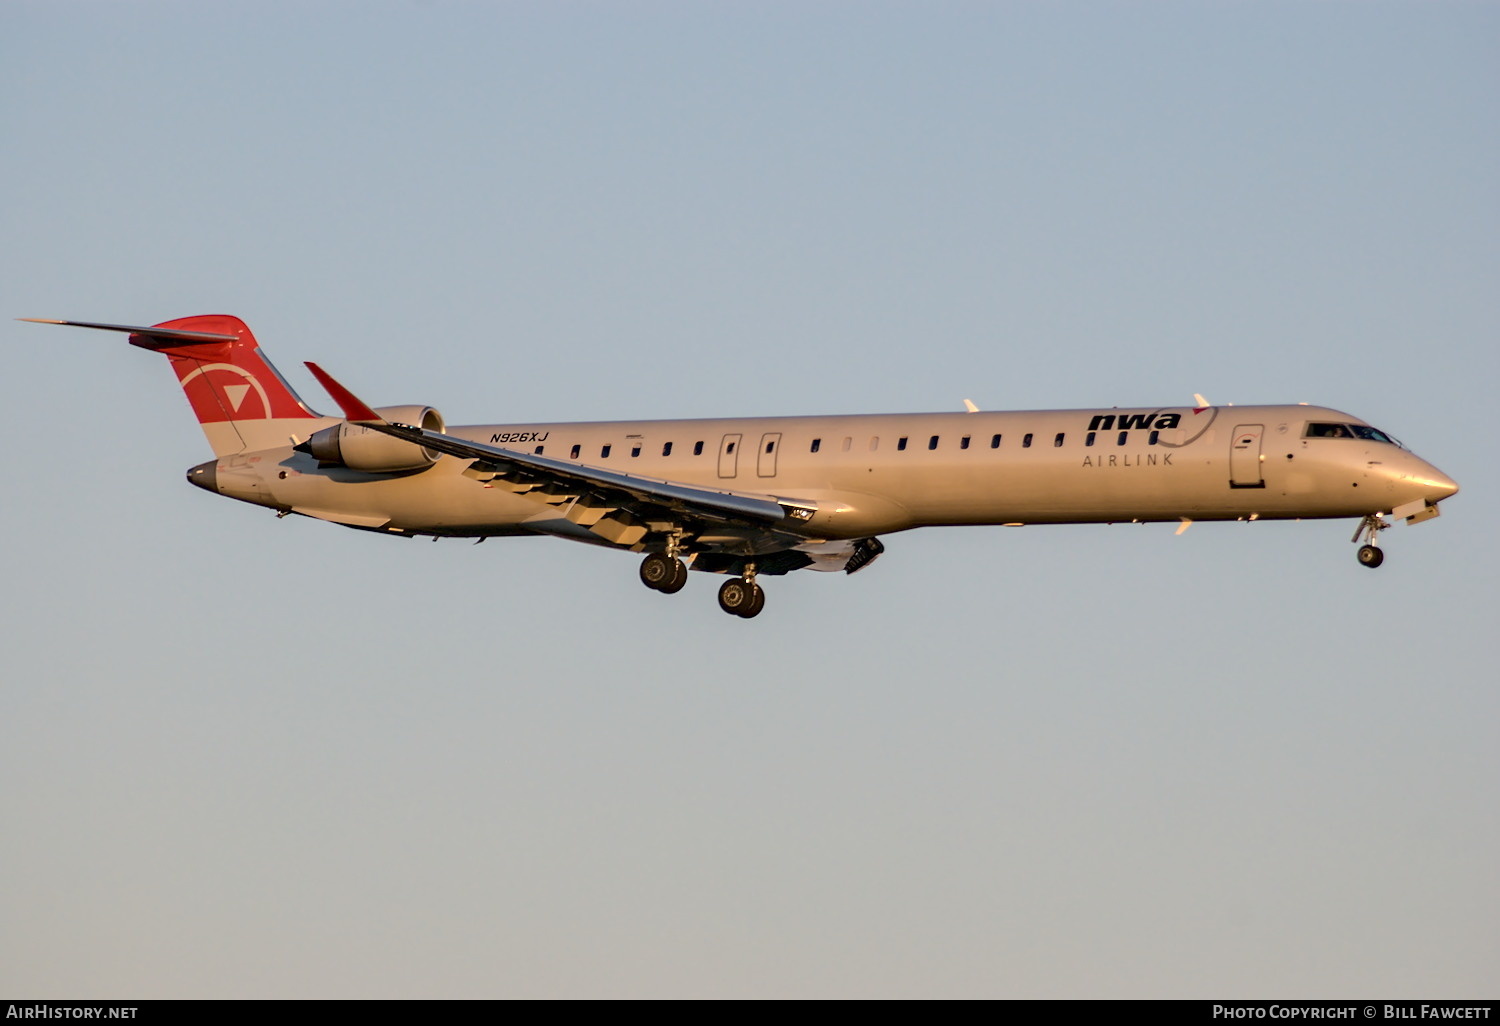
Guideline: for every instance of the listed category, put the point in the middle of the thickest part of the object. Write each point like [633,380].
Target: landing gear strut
[741,596]
[666,574]
[1369,529]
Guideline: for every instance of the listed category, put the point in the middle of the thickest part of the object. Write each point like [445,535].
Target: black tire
[1370,556]
[735,595]
[678,579]
[756,604]
[656,571]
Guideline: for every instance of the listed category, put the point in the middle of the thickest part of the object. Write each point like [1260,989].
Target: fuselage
[877,474]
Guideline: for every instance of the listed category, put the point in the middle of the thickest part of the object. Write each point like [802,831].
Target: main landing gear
[1369,529]
[666,574]
[738,596]
[741,596]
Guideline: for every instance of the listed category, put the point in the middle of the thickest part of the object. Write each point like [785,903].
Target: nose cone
[1443,485]
[1434,485]
[205,476]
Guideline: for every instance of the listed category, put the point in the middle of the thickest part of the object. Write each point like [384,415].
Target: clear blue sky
[260,758]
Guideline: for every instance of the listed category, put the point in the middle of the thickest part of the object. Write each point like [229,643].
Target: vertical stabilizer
[240,400]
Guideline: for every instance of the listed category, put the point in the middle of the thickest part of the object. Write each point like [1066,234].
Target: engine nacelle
[359,448]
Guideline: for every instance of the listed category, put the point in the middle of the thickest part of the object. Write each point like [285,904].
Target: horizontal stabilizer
[167,336]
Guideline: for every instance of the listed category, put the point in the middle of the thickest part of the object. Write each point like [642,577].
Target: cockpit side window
[1328,431]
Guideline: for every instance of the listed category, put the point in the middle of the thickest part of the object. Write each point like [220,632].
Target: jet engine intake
[359,448]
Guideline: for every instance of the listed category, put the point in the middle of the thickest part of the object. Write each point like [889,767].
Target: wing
[598,505]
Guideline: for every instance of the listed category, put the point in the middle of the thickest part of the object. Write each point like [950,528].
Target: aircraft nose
[1443,485]
[1435,485]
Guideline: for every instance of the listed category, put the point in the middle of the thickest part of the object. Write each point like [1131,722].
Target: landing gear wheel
[1369,529]
[678,579]
[757,603]
[739,597]
[660,572]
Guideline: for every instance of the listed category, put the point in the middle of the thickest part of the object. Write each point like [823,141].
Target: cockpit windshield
[1363,431]
[1370,434]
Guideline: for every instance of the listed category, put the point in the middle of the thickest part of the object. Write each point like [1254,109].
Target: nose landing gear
[1369,529]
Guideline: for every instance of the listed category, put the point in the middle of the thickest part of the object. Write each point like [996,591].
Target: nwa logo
[1134,421]
[222,391]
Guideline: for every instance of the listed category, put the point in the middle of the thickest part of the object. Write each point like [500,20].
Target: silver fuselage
[1214,463]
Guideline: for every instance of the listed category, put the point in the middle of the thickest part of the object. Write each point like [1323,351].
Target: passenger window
[963,443]
[576,450]
[1026,441]
[1088,439]
[1123,435]
[604,453]
[995,442]
[538,450]
[1058,440]
[932,442]
[697,448]
[901,443]
[874,442]
[730,447]
[770,447]
[635,450]
[847,442]
[666,448]
[816,444]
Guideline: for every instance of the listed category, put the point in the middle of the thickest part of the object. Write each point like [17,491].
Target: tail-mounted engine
[359,448]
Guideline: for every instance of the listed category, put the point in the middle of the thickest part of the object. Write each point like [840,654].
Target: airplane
[752,497]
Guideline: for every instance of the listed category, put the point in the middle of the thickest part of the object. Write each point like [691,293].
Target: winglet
[354,408]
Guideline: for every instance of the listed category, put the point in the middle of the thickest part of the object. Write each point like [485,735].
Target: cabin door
[729,456]
[1245,457]
[766,462]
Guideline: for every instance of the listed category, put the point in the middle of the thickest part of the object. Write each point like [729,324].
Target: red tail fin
[225,381]
[238,396]
[241,401]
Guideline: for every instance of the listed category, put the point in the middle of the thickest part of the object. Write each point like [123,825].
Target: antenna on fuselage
[969,405]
